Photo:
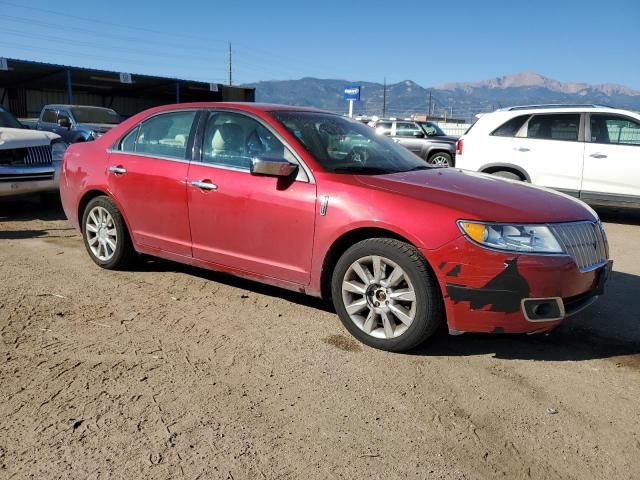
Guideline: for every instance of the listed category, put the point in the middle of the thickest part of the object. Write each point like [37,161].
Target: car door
[410,136]
[258,224]
[48,120]
[66,133]
[612,159]
[147,175]
[550,149]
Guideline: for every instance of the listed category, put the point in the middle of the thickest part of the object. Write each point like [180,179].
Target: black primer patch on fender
[442,264]
[503,292]
[455,271]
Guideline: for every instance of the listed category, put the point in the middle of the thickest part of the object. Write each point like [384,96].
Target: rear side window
[165,135]
[383,128]
[49,116]
[510,128]
[408,129]
[613,129]
[564,126]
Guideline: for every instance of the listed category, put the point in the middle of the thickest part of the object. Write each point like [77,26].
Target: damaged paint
[503,292]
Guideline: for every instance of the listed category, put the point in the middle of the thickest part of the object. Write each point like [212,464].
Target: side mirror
[272,167]
[418,135]
[64,122]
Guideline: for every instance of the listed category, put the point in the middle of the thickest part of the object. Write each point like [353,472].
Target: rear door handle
[522,149]
[117,170]
[598,155]
[204,185]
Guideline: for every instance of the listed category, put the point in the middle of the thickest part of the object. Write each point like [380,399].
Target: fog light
[543,309]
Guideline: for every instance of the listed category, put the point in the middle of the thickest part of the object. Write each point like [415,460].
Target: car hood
[444,138]
[22,138]
[479,196]
[97,127]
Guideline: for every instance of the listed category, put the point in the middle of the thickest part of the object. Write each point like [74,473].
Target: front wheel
[440,159]
[105,234]
[386,295]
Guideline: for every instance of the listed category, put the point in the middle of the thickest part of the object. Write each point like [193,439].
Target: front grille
[26,176]
[26,156]
[585,242]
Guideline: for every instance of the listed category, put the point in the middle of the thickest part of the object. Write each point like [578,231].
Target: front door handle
[117,170]
[204,185]
[522,149]
[598,155]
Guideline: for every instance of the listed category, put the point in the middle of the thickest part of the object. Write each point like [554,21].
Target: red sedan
[317,203]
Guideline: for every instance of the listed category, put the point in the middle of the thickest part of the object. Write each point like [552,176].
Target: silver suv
[423,138]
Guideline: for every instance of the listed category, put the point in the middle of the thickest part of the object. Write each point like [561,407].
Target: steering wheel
[358,154]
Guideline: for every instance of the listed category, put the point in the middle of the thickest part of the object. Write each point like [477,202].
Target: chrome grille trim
[38,155]
[584,242]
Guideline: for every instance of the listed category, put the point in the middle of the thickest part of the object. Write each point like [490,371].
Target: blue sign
[352,92]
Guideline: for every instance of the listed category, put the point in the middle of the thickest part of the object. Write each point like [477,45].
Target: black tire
[428,298]
[508,175]
[124,252]
[441,158]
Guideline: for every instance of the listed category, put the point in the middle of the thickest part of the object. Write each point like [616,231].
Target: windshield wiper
[364,170]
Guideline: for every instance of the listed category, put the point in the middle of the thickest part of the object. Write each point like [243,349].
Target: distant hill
[463,99]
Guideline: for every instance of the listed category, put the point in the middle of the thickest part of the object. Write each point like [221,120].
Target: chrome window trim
[303,166]
[146,155]
[115,146]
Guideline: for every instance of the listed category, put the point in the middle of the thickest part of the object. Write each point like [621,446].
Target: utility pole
[429,112]
[384,98]
[230,79]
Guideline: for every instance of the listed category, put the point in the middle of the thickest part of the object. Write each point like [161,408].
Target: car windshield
[95,115]
[342,145]
[7,120]
[431,129]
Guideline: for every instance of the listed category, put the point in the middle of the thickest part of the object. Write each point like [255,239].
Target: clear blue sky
[430,42]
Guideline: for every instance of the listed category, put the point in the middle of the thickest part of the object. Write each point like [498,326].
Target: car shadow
[608,329]
[152,264]
[31,207]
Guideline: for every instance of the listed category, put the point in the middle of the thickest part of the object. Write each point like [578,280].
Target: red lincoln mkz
[314,202]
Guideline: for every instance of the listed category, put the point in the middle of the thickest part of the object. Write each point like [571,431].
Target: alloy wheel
[439,161]
[379,297]
[101,232]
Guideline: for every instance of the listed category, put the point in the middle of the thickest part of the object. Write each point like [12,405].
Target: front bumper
[16,180]
[491,291]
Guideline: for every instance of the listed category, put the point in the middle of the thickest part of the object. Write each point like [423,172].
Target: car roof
[537,109]
[245,106]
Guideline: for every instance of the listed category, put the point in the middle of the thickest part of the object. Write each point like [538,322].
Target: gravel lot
[169,371]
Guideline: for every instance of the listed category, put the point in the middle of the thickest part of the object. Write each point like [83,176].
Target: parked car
[75,123]
[425,139]
[586,151]
[259,191]
[29,161]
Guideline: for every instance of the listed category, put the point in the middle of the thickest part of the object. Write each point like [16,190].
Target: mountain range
[459,100]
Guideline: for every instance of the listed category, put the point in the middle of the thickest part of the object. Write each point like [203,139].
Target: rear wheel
[507,174]
[105,234]
[440,159]
[385,294]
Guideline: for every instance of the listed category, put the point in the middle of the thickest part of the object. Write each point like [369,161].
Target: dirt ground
[168,372]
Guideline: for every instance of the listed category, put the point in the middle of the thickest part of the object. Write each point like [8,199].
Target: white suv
[587,151]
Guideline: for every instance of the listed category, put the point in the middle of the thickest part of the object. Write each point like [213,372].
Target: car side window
[165,135]
[562,126]
[383,128]
[612,129]
[49,116]
[128,142]
[407,129]
[232,140]
[510,128]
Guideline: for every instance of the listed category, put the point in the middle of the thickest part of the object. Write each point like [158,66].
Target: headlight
[516,238]
[57,151]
